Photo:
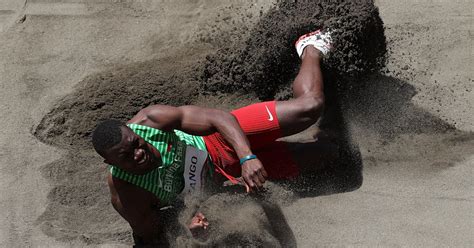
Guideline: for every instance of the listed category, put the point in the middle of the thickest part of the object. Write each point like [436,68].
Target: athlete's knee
[312,105]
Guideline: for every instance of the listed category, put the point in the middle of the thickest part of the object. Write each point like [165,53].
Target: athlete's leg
[297,114]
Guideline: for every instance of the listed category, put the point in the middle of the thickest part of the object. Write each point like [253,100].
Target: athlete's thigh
[260,123]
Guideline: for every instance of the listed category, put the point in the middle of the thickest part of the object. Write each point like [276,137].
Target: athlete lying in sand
[164,151]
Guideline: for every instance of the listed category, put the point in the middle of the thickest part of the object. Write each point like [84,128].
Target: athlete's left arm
[205,121]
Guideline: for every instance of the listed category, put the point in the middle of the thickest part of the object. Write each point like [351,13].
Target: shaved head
[106,135]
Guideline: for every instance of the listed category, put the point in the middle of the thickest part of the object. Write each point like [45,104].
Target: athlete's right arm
[138,208]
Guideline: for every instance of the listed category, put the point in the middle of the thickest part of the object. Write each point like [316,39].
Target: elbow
[222,118]
[144,115]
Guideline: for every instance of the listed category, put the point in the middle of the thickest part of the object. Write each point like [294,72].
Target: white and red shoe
[320,40]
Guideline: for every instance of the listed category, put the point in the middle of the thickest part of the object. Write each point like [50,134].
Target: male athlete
[164,151]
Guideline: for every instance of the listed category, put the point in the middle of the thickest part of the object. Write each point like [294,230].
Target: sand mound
[119,94]
[267,59]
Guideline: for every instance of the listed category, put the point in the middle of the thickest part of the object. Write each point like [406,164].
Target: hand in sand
[199,225]
[253,175]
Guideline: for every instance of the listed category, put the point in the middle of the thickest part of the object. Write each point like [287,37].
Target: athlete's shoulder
[116,184]
[125,191]
[162,117]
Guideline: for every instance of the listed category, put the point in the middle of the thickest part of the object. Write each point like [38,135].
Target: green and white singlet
[184,158]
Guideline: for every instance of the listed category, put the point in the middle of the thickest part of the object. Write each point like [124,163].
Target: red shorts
[260,124]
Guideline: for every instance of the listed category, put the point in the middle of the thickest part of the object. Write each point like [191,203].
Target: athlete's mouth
[144,159]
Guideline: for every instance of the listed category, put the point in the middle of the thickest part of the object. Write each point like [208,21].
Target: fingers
[199,221]
[249,185]
[254,175]
[201,224]
[254,181]
[247,188]
[264,172]
[243,183]
[261,176]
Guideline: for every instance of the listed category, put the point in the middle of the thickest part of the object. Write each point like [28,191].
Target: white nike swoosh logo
[270,116]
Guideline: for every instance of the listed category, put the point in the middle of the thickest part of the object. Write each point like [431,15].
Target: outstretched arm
[204,121]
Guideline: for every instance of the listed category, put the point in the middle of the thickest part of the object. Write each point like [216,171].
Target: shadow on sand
[383,105]
[379,106]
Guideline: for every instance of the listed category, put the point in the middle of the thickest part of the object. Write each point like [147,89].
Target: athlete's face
[133,154]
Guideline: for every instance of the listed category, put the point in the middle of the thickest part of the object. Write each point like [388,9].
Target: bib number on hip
[193,169]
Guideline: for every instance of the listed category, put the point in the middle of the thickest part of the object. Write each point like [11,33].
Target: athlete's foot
[320,40]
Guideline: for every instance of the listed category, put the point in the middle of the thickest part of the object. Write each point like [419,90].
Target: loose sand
[66,64]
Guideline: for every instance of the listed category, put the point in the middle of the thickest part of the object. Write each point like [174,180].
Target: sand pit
[121,92]
[91,61]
